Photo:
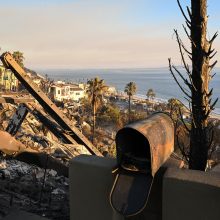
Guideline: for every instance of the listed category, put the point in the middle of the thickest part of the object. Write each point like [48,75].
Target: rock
[65,111]
[86,124]
[25,169]
[66,181]
[81,149]
[6,173]
[26,178]
[3,164]
[49,136]
[52,172]
[36,144]
[40,174]
[58,191]
[5,124]
[60,179]
[51,150]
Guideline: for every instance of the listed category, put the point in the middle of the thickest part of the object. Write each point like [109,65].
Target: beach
[136,99]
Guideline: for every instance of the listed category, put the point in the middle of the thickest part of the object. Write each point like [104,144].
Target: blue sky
[97,33]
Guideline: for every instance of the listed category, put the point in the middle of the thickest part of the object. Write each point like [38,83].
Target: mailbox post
[142,148]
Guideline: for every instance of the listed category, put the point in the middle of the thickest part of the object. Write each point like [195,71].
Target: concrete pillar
[191,194]
[90,181]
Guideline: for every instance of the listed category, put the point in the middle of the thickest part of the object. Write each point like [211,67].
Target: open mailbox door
[142,148]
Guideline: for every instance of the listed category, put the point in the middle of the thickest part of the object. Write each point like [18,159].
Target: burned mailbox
[142,148]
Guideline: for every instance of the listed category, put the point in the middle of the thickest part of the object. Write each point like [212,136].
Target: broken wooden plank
[40,160]
[17,119]
[52,126]
[6,94]
[10,146]
[46,103]
[16,100]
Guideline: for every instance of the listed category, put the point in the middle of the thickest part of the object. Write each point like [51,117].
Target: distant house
[8,79]
[111,89]
[76,93]
[60,92]
[37,81]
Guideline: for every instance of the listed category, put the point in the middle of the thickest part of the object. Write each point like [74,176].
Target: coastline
[141,98]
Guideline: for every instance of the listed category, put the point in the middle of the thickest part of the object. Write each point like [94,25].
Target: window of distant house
[77,93]
[58,91]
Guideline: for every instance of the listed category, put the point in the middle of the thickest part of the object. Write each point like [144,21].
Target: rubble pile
[40,190]
[33,134]
[29,188]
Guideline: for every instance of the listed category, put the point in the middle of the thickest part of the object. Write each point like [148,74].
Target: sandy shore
[141,100]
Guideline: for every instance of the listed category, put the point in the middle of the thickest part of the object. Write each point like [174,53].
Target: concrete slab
[21,215]
[191,194]
[90,181]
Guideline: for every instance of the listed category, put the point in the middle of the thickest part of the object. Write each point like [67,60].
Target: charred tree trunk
[200,77]
[129,109]
[94,110]
[93,136]
[199,98]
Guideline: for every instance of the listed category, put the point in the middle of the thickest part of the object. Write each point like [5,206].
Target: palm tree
[174,105]
[95,90]
[19,57]
[130,89]
[151,94]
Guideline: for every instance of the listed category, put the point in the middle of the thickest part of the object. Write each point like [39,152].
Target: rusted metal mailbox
[142,148]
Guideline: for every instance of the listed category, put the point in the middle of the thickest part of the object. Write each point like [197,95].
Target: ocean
[159,79]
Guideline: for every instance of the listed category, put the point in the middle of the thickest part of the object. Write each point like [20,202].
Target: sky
[72,34]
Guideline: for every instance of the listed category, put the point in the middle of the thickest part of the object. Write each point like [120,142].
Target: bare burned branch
[212,66]
[177,81]
[183,12]
[189,12]
[213,149]
[183,59]
[186,49]
[208,113]
[188,26]
[186,32]
[184,104]
[186,156]
[210,101]
[212,107]
[185,80]
[210,51]
[213,55]
[183,121]
[213,38]
[185,65]
[210,93]
[210,144]
[193,120]
[213,75]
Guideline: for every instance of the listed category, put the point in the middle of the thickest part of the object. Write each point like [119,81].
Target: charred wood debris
[34,168]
